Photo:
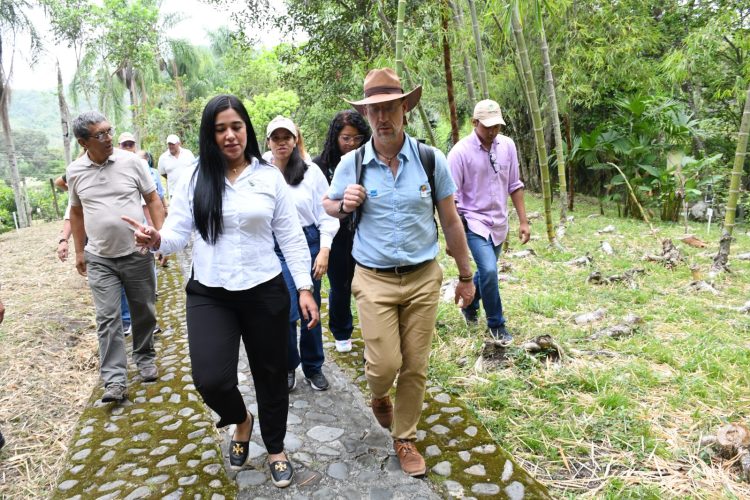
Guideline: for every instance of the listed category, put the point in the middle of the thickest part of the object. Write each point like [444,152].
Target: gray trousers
[107,276]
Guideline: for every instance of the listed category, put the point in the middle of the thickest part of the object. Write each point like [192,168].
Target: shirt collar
[474,139]
[87,161]
[371,156]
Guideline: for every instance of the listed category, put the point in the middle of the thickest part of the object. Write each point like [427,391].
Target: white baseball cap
[488,113]
[173,139]
[125,137]
[281,122]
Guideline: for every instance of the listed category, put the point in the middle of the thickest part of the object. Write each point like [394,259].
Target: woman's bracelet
[62,239]
[466,279]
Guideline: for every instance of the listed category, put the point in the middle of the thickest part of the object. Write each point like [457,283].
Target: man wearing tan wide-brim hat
[397,280]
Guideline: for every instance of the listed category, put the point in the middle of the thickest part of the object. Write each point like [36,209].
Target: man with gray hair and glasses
[484,166]
[104,184]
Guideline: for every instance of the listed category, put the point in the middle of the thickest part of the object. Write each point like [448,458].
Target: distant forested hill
[37,110]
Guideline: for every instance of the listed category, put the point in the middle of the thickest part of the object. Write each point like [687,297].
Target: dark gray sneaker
[470,316]
[148,373]
[114,392]
[318,381]
[291,380]
[502,336]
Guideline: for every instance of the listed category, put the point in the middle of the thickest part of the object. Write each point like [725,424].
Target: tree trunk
[64,115]
[480,52]
[405,71]
[536,118]
[458,20]
[24,217]
[555,119]
[449,78]
[571,170]
[722,257]
[400,13]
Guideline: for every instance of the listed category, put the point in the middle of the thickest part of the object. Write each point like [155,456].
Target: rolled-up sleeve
[343,176]
[179,224]
[514,176]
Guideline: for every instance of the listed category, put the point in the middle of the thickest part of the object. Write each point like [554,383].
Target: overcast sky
[199,18]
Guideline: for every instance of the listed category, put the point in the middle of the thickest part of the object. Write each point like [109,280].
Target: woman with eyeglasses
[348,131]
[236,205]
[307,186]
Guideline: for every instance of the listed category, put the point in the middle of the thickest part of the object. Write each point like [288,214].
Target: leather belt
[398,270]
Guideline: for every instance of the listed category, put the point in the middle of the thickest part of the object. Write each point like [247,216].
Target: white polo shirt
[172,167]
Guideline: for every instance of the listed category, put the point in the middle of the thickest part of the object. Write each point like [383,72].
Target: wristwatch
[341,208]
[61,240]
[306,288]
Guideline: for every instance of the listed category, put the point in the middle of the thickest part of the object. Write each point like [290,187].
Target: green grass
[613,406]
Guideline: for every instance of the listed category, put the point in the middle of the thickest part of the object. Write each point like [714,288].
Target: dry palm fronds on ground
[48,364]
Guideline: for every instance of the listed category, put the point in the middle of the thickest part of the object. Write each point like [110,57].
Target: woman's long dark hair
[331,155]
[210,174]
[295,168]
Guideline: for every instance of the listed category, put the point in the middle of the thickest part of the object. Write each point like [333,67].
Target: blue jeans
[125,310]
[310,352]
[340,274]
[485,255]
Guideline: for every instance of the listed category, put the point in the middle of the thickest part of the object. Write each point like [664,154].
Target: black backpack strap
[358,175]
[427,158]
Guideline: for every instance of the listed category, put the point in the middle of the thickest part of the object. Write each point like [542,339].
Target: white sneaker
[344,345]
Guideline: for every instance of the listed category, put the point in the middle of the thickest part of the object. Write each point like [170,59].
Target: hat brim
[280,127]
[412,98]
[491,122]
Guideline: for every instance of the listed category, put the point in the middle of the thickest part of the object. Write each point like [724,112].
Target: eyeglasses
[352,139]
[493,160]
[101,135]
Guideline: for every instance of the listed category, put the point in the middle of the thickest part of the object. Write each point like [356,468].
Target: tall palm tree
[64,114]
[13,20]
[536,119]
[722,256]
[480,52]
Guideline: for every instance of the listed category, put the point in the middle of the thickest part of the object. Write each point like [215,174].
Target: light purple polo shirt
[482,194]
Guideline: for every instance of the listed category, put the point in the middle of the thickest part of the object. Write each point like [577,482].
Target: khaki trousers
[397,315]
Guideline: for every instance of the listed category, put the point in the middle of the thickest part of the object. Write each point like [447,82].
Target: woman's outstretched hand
[146,237]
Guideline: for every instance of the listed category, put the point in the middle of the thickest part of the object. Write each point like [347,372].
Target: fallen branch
[627,327]
[731,442]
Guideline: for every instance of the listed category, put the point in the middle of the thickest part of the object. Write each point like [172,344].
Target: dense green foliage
[638,84]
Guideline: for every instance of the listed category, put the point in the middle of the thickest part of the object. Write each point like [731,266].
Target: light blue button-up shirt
[397,227]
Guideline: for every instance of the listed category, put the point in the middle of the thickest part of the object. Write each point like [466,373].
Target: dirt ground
[48,359]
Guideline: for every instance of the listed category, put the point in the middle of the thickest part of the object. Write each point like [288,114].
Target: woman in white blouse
[235,205]
[307,185]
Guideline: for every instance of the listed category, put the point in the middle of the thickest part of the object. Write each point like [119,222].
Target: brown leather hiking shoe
[411,460]
[383,411]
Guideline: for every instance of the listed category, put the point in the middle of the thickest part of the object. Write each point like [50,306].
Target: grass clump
[618,417]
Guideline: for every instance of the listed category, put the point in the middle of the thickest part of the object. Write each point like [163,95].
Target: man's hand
[309,308]
[464,293]
[81,264]
[62,251]
[354,196]
[162,259]
[524,232]
[145,236]
[320,266]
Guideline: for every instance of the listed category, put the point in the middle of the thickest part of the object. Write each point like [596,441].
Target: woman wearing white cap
[307,185]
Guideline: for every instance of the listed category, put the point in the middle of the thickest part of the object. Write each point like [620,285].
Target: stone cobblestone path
[162,442]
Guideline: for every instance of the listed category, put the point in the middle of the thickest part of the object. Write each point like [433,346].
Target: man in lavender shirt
[484,166]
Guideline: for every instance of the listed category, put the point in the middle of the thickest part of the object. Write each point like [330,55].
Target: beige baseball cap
[125,137]
[281,122]
[173,139]
[488,113]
